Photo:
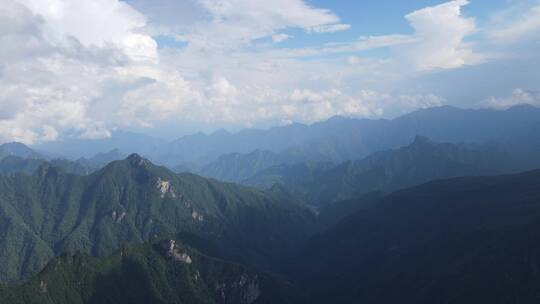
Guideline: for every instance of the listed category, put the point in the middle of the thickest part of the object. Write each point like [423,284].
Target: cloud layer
[85,68]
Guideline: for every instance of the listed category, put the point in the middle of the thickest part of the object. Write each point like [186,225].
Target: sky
[87,68]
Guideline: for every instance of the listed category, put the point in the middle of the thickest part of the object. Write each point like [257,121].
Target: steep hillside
[421,161]
[161,272]
[237,167]
[51,212]
[462,240]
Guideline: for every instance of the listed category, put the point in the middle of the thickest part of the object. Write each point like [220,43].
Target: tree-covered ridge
[51,212]
[461,240]
[11,165]
[421,161]
[165,271]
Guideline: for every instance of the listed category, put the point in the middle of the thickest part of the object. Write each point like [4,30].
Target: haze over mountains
[269,152]
[337,139]
[341,211]
[50,212]
[340,139]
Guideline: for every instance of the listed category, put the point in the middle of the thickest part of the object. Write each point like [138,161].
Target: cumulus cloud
[440,33]
[83,68]
[280,37]
[438,41]
[99,23]
[54,68]
[518,97]
[318,105]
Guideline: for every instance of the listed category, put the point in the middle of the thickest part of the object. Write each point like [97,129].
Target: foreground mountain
[462,240]
[340,139]
[51,212]
[18,150]
[421,161]
[162,272]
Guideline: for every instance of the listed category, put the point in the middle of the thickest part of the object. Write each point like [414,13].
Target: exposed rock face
[118,216]
[196,216]
[174,251]
[251,286]
[248,285]
[43,287]
[244,288]
[165,188]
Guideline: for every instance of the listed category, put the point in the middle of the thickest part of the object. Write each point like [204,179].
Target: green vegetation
[52,212]
[11,165]
[462,240]
[159,272]
[423,160]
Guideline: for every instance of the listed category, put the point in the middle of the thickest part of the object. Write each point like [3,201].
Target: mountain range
[19,158]
[51,212]
[320,183]
[336,140]
[429,207]
[340,139]
[461,240]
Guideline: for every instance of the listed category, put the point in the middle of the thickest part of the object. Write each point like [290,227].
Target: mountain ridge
[132,200]
[458,240]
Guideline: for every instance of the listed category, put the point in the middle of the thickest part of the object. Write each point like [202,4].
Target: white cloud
[440,33]
[98,23]
[280,37]
[86,67]
[238,22]
[518,97]
[512,30]
[330,28]
[312,105]
[438,41]
[54,69]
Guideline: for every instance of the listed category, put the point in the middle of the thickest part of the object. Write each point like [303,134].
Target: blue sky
[171,67]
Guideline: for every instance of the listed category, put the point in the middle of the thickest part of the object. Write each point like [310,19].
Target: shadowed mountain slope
[462,240]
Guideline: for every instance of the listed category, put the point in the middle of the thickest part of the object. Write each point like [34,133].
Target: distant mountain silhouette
[340,139]
[421,161]
[75,148]
[18,150]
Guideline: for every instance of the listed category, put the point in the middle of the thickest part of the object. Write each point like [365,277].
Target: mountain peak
[422,140]
[136,160]
[338,118]
[17,149]
[221,132]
